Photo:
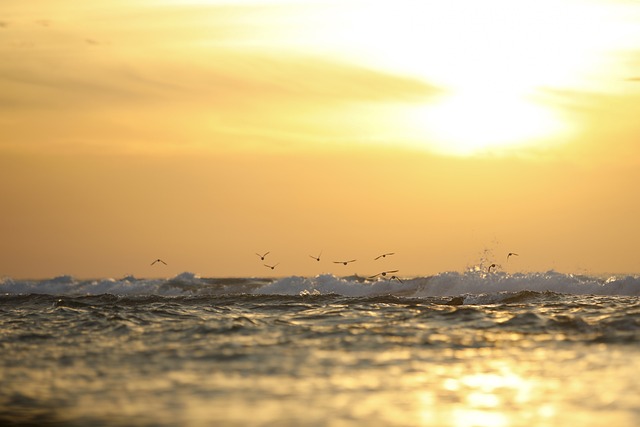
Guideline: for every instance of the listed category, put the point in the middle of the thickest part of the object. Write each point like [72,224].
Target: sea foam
[442,284]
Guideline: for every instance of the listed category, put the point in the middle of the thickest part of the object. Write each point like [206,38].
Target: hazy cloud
[261,81]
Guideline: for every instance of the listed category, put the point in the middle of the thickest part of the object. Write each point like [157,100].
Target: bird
[511,253]
[383,255]
[262,256]
[271,266]
[159,260]
[489,269]
[317,258]
[344,262]
[384,273]
[395,278]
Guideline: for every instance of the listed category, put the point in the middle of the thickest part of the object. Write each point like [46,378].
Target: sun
[490,61]
[473,122]
[493,62]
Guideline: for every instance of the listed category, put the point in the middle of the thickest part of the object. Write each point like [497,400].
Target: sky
[204,132]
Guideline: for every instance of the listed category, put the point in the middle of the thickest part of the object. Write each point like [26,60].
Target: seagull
[489,269]
[271,266]
[396,278]
[317,258]
[344,262]
[511,253]
[384,273]
[159,260]
[262,256]
[383,255]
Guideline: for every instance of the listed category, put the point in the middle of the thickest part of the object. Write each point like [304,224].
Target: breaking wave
[473,285]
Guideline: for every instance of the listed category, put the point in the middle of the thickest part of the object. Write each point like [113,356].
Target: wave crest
[489,288]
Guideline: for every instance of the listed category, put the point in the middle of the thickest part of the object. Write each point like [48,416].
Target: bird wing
[383,255]
[392,271]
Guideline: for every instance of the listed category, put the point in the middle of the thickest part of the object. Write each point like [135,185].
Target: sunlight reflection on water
[317,364]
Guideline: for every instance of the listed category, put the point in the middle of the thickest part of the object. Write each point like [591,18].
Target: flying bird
[344,262]
[262,256]
[510,254]
[384,273]
[384,255]
[159,260]
[271,266]
[395,278]
[317,258]
[489,269]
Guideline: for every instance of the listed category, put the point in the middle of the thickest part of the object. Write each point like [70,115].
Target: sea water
[454,349]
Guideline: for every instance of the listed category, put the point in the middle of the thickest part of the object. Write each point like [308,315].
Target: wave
[475,286]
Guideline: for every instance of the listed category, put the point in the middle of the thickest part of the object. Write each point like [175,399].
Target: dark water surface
[520,358]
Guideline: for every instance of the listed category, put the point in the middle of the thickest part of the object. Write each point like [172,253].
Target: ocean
[453,349]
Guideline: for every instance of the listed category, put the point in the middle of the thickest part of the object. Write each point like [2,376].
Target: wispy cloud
[239,81]
[190,75]
[210,68]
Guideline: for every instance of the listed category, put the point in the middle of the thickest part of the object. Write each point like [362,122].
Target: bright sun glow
[490,59]
[470,122]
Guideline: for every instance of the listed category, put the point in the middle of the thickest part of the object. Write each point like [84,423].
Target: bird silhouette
[510,254]
[159,260]
[317,258]
[384,255]
[395,278]
[344,262]
[271,266]
[384,273]
[489,269]
[262,256]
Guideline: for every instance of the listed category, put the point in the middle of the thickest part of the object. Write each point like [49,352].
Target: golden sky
[202,132]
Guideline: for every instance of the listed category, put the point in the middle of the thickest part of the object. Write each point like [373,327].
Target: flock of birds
[347,262]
